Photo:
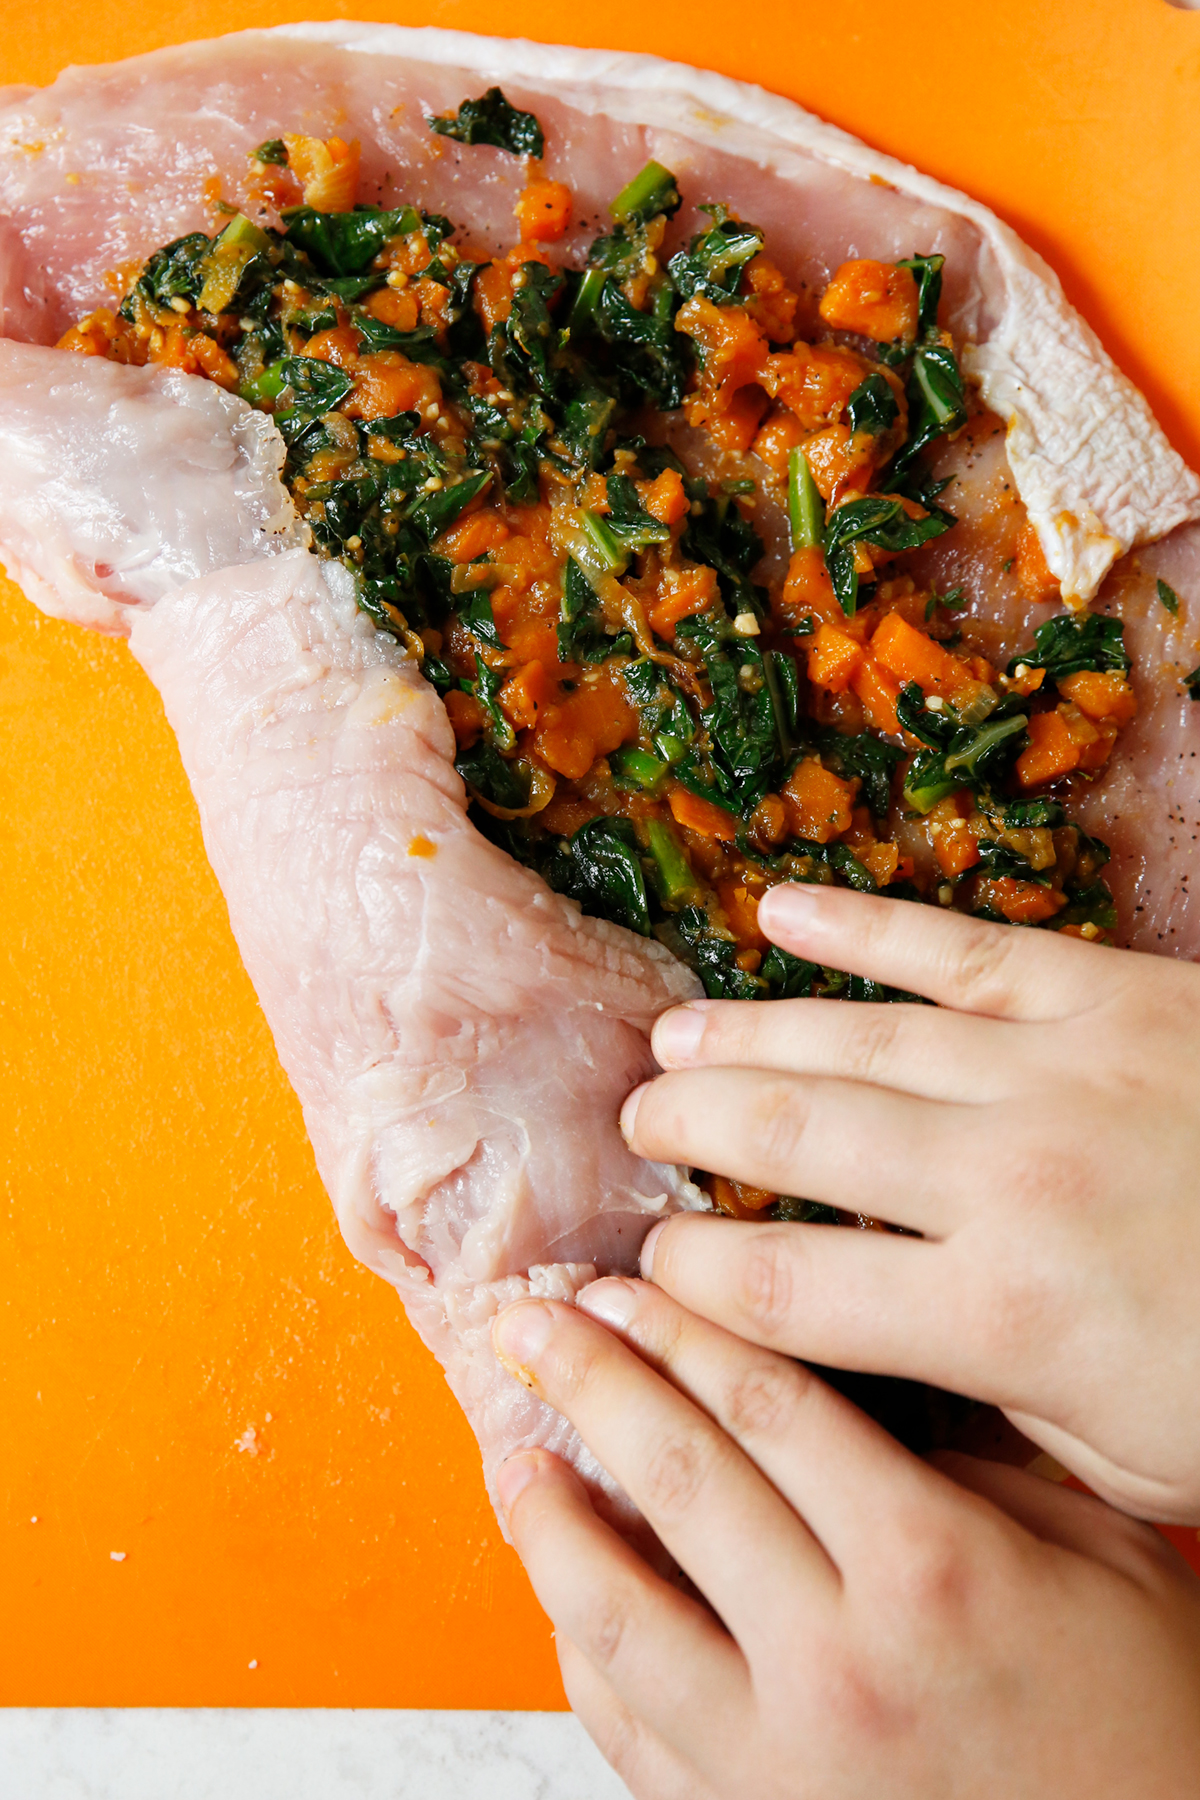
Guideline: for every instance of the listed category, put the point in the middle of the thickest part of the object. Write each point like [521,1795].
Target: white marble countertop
[131,1754]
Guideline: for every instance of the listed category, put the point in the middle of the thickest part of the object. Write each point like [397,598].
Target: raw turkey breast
[460,1037]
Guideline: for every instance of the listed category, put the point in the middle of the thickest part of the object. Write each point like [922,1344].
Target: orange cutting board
[196,1377]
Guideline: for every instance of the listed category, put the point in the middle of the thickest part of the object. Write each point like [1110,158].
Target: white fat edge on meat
[1096,472]
[97,472]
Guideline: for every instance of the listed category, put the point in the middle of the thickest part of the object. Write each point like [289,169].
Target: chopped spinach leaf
[1029,815]
[689,935]
[931,726]
[1168,596]
[1088,903]
[628,520]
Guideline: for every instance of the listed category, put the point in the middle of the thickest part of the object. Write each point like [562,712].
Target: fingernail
[789,907]
[514,1476]
[677,1034]
[612,1301]
[519,1335]
[647,1262]
[629,1112]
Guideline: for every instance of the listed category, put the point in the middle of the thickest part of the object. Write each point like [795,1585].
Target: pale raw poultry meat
[460,1037]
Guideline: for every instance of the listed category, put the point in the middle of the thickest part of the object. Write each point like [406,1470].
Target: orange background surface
[170,1275]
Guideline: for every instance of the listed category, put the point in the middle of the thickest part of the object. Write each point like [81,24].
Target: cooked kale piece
[504,783]
[872,407]
[174,272]
[605,873]
[318,387]
[493,120]
[713,262]
[653,191]
[546,400]
[927,270]
[878,519]
[872,759]
[344,243]
[1074,641]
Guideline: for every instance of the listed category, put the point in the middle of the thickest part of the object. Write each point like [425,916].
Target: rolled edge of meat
[460,1037]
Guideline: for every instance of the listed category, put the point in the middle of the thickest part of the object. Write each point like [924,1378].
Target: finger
[1056,1514]
[662,1653]
[725,1525]
[970,964]
[921,1050]
[836,1466]
[867,1301]
[650,1769]
[862,1148]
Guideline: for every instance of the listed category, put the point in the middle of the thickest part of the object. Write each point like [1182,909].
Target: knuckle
[858,1706]
[872,1042]
[933,1571]
[760,1399]
[1012,1309]
[604,1625]
[767,1283]
[578,1366]
[777,1124]
[1046,1171]
[981,964]
[676,1472]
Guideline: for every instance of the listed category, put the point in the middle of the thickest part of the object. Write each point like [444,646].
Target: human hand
[1041,1129]
[885,1630]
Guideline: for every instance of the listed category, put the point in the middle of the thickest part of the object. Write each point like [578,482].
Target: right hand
[1040,1128]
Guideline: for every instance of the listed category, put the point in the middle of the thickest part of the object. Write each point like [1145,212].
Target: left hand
[880,1630]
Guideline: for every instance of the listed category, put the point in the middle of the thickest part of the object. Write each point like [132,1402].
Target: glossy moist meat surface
[461,1038]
